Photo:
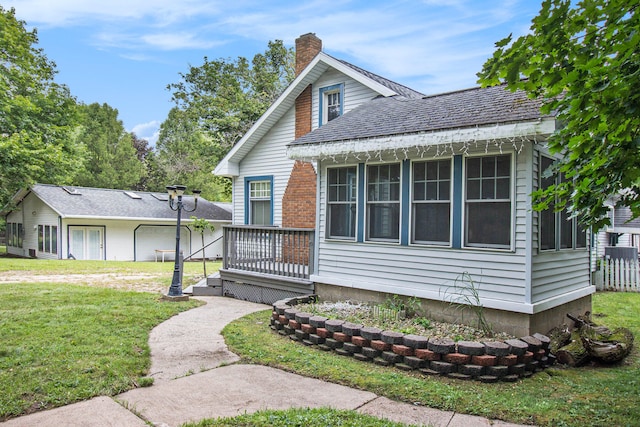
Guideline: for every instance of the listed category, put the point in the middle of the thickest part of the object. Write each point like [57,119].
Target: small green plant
[424,322]
[409,306]
[465,293]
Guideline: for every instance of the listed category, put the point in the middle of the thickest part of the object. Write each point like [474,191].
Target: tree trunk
[574,353]
[589,340]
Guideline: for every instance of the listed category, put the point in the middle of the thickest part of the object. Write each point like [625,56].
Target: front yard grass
[591,395]
[65,343]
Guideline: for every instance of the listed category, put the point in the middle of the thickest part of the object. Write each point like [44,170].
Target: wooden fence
[618,275]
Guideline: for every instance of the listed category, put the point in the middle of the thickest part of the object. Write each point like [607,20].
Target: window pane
[432,191]
[502,188]
[581,236]
[473,167]
[47,238]
[431,223]
[443,190]
[488,224]
[547,220]
[419,191]
[261,212]
[384,221]
[566,230]
[488,187]
[342,220]
[503,165]
[419,171]
[41,238]
[488,166]
[54,239]
[473,189]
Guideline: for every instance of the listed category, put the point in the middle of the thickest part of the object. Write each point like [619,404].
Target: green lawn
[63,343]
[592,395]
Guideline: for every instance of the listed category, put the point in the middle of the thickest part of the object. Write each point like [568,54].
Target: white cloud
[78,12]
[149,131]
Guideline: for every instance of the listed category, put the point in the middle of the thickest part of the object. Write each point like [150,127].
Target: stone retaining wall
[487,361]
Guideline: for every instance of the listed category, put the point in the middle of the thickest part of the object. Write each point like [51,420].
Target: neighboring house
[624,232]
[65,222]
[406,194]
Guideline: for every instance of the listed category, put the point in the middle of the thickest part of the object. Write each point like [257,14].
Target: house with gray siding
[66,222]
[402,194]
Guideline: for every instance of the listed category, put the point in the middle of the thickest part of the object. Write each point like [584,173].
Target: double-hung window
[557,230]
[331,100]
[260,202]
[431,202]
[341,202]
[383,202]
[488,202]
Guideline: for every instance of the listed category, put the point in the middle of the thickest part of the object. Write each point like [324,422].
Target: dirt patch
[142,282]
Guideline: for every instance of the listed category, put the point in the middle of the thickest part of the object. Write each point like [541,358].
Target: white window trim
[322,101]
[512,195]
[366,205]
[327,232]
[412,241]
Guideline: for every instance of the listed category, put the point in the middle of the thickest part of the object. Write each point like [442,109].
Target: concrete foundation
[517,324]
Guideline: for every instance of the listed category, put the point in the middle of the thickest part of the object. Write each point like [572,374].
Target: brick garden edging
[487,361]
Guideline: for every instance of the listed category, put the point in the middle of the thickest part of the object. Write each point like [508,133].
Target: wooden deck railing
[270,250]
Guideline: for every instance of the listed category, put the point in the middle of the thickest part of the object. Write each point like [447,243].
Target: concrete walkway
[196,378]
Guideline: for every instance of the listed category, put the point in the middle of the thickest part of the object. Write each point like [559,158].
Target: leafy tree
[583,61]
[186,155]
[154,178]
[37,116]
[216,104]
[112,160]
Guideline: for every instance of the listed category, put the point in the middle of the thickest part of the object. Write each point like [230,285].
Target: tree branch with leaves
[583,60]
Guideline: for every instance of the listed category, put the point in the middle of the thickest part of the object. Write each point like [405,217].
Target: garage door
[158,240]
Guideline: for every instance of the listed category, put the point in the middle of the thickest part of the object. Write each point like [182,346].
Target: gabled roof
[228,166]
[85,202]
[397,115]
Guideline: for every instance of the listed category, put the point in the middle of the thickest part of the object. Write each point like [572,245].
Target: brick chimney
[307,47]
[299,200]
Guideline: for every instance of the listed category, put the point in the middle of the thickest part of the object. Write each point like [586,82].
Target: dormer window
[331,100]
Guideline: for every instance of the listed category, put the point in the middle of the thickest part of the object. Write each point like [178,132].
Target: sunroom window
[557,230]
[383,202]
[488,202]
[341,202]
[431,202]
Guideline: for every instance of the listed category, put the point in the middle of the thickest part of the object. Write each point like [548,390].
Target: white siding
[430,272]
[34,212]
[267,158]
[355,93]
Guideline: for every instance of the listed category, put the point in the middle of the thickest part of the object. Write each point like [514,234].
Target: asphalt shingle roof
[396,87]
[101,202]
[396,115]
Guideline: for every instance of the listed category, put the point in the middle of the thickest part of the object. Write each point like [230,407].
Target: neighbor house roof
[229,165]
[85,202]
[471,114]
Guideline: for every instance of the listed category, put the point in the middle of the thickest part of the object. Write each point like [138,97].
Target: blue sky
[125,52]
